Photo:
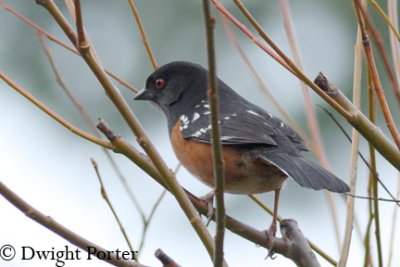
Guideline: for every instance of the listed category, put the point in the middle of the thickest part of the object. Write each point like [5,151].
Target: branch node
[105,129]
[165,259]
[322,82]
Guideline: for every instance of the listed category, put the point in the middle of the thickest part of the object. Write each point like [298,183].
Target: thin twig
[392,26]
[393,227]
[374,198]
[49,223]
[218,164]
[365,161]
[146,221]
[394,43]
[372,177]
[165,259]
[367,243]
[79,24]
[354,155]
[104,195]
[143,34]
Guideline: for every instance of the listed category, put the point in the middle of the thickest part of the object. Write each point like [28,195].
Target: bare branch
[218,164]
[59,229]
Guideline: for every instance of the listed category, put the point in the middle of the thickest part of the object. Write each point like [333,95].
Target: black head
[175,87]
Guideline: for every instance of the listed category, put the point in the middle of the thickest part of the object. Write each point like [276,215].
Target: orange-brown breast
[243,174]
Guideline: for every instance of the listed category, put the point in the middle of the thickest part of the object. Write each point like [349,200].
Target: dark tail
[306,172]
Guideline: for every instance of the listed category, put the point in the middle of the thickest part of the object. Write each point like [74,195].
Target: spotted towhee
[259,150]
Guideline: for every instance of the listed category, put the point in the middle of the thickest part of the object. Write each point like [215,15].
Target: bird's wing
[245,125]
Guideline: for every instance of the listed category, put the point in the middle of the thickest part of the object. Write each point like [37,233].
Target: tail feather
[306,172]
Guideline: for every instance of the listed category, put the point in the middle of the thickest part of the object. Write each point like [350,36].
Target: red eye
[160,83]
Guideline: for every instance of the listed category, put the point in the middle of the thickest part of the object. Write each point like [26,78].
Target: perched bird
[259,150]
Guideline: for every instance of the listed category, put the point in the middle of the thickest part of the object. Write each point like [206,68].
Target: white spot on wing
[197,134]
[196,116]
[281,125]
[206,112]
[253,112]
[184,121]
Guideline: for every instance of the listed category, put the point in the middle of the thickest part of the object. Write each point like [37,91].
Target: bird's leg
[272,229]
[271,232]
[209,201]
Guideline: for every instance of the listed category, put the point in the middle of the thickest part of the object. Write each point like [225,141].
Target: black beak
[144,94]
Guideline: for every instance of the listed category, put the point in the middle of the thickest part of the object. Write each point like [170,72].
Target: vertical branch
[79,23]
[375,76]
[393,227]
[354,154]
[104,195]
[373,184]
[143,34]
[376,37]
[215,132]
[394,43]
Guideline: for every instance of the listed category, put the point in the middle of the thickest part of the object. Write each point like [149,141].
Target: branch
[54,115]
[219,178]
[59,229]
[104,195]
[294,246]
[366,128]
[143,34]
[354,154]
[165,259]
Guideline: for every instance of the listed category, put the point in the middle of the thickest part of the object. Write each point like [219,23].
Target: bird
[259,150]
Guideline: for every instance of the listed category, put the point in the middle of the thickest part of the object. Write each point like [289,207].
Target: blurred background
[50,167]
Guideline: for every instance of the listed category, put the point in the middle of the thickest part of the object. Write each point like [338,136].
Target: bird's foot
[208,200]
[271,233]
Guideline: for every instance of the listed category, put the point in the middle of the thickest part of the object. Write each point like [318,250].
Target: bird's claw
[270,233]
[208,200]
